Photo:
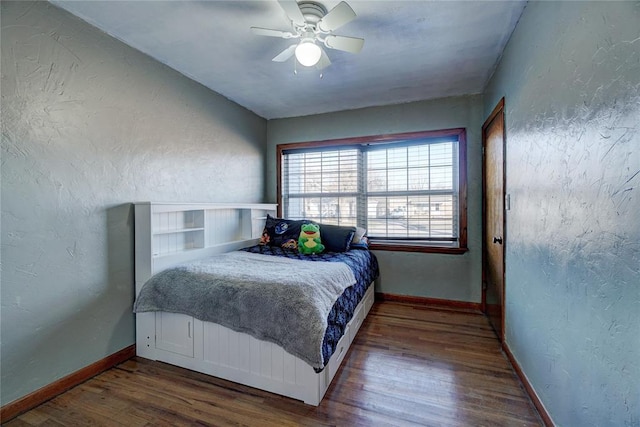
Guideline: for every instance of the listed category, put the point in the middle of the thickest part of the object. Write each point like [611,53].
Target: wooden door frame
[499,109]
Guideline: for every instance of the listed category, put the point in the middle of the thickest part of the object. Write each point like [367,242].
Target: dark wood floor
[409,365]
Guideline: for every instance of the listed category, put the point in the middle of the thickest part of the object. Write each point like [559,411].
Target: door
[493,145]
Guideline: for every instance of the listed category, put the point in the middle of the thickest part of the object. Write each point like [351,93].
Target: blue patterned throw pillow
[282,232]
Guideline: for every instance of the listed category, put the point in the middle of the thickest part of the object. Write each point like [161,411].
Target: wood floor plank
[409,365]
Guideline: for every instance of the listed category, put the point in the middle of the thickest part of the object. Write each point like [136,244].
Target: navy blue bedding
[365,269]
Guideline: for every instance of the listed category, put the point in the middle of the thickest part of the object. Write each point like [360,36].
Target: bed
[192,238]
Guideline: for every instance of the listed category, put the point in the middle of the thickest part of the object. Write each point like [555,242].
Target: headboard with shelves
[167,234]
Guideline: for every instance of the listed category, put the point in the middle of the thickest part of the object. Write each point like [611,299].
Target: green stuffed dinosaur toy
[309,240]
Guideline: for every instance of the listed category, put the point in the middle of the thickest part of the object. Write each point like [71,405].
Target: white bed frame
[167,234]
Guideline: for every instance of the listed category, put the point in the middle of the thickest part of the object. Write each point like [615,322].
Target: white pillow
[358,235]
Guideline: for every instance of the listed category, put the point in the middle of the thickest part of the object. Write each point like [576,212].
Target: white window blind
[412,191]
[404,192]
[322,186]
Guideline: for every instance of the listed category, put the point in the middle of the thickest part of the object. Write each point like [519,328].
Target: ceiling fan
[313,26]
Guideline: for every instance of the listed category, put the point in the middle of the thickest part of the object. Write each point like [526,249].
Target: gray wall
[454,277]
[89,125]
[571,78]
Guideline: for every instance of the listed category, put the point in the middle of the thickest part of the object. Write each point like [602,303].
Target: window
[408,190]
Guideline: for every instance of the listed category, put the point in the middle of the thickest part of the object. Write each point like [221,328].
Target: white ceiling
[414,50]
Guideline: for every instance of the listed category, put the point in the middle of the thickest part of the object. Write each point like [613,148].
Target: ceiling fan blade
[337,17]
[271,33]
[292,10]
[347,44]
[324,61]
[285,54]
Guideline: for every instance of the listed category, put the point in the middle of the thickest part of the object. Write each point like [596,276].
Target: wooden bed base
[169,234]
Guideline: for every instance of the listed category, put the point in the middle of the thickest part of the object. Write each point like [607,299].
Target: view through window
[405,189]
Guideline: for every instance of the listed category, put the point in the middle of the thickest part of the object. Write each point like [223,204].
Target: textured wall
[571,78]
[89,125]
[455,277]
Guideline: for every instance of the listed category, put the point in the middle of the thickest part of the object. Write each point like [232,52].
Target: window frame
[431,247]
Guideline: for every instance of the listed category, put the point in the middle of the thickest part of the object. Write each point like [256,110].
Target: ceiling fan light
[308,53]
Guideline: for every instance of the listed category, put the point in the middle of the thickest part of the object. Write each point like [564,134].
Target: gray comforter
[281,300]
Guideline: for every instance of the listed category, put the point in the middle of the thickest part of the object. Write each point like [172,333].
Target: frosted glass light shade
[308,53]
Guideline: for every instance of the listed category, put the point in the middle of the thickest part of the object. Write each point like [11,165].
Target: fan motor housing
[312,11]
